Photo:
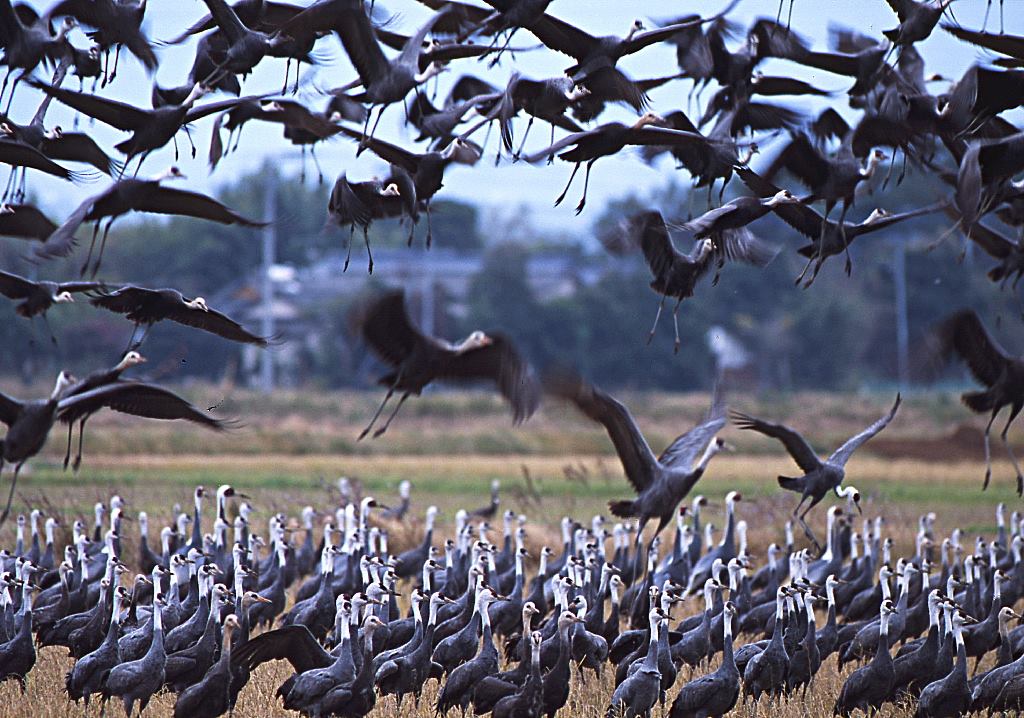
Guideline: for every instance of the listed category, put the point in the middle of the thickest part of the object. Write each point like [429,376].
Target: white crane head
[782,197]
[63,298]
[130,359]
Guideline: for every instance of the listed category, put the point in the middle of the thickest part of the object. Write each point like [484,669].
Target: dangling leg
[430,235]
[568,185]
[10,495]
[287,68]
[366,241]
[675,323]
[526,133]
[316,163]
[842,236]
[174,140]
[817,268]
[67,453]
[302,165]
[586,184]
[988,449]
[92,244]
[348,254]
[802,518]
[188,136]
[379,432]
[807,266]
[81,441]
[103,244]
[551,157]
[376,415]
[661,305]
[49,329]
[1009,449]
[117,56]
[362,144]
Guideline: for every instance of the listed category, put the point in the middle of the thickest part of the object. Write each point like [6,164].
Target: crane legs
[802,519]
[10,494]
[1015,409]
[376,415]
[586,183]
[675,323]
[568,184]
[661,305]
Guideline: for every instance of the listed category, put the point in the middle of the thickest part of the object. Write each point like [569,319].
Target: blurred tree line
[839,334]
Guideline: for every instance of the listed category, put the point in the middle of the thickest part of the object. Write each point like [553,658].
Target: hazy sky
[507,186]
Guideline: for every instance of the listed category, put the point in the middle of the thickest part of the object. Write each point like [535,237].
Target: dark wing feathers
[10,408]
[170,200]
[216,323]
[841,455]
[965,335]
[683,452]
[635,454]
[501,363]
[659,252]
[294,644]
[15,287]
[795,444]
[388,330]
[139,399]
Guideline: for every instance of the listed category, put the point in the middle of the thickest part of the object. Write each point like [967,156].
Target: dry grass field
[293,447]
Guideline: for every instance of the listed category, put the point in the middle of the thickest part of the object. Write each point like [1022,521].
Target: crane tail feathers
[622,509]
[790,483]
[978,401]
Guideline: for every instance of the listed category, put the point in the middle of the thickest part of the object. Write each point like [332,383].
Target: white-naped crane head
[434,69]
[851,493]
[172,172]
[476,340]
[131,358]
[649,118]
[197,91]
[877,214]
[704,248]
[197,303]
[63,298]
[782,197]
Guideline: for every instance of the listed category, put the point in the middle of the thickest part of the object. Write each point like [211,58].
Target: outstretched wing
[215,322]
[683,452]
[502,363]
[841,455]
[15,287]
[795,444]
[964,334]
[634,452]
[139,399]
[388,330]
[294,644]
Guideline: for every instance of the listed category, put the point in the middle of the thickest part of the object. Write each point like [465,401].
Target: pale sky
[508,186]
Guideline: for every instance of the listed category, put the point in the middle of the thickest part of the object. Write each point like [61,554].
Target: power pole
[899,276]
[267,285]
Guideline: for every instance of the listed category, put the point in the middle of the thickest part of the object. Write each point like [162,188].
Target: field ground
[293,447]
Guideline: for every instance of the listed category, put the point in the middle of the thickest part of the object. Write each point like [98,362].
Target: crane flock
[201,615]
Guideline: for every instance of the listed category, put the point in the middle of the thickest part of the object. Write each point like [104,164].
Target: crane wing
[386,327]
[10,409]
[499,362]
[15,287]
[170,200]
[216,323]
[294,644]
[635,454]
[795,444]
[841,455]
[683,452]
[139,399]
[964,334]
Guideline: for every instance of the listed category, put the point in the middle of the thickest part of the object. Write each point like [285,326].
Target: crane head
[198,303]
[63,298]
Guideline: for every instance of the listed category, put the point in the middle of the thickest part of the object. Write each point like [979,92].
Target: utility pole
[899,276]
[267,285]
